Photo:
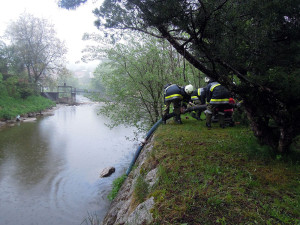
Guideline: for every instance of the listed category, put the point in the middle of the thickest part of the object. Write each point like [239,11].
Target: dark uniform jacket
[199,95]
[217,94]
[175,92]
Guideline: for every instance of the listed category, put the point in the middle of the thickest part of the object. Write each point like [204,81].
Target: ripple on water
[49,170]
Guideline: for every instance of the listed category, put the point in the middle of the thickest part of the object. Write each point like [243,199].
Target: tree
[71,4]
[3,58]
[10,63]
[134,75]
[14,80]
[66,76]
[62,76]
[256,42]
[35,43]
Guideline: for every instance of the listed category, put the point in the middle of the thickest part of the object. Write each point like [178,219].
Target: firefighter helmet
[206,79]
[189,89]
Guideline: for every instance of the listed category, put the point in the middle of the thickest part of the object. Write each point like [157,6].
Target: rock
[29,119]
[31,115]
[2,123]
[123,209]
[141,215]
[151,177]
[107,172]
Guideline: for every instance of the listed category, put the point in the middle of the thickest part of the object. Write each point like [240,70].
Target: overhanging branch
[188,56]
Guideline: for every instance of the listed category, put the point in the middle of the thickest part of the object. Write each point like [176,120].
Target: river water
[49,169]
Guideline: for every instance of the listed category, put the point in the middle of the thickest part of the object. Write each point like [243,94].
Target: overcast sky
[69,24]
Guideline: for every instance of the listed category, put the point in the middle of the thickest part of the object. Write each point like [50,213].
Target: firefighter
[217,97]
[198,97]
[180,97]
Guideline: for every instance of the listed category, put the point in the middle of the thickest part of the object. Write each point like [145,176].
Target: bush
[5,114]
[25,92]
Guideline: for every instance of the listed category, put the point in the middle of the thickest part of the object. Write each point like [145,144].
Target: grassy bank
[221,176]
[11,107]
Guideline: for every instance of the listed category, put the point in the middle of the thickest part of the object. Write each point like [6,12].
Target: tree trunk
[29,74]
[285,139]
[260,129]
[279,138]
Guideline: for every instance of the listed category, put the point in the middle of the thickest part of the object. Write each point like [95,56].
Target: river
[49,169]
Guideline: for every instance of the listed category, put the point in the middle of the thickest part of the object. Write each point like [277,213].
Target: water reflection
[49,169]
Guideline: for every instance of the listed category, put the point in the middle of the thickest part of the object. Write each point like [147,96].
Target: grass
[221,176]
[140,190]
[11,107]
[117,183]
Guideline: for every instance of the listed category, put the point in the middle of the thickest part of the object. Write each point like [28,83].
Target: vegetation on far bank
[220,176]
[11,107]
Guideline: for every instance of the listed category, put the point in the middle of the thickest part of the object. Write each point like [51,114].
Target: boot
[208,120]
[164,119]
[178,119]
[193,114]
[199,115]
[222,121]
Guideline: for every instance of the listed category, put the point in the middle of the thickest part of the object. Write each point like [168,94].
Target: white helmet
[189,89]
[206,79]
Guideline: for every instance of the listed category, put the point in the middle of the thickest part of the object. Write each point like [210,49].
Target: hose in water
[142,144]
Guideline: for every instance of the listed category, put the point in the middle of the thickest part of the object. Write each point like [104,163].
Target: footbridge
[65,94]
[78,90]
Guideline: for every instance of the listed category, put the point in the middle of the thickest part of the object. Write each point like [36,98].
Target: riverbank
[14,110]
[188,174]
[29,117]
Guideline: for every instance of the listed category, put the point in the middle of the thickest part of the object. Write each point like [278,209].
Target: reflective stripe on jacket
[199,95]
[173,92]
[217,94]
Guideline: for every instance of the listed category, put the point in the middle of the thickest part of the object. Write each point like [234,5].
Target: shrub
[25,92]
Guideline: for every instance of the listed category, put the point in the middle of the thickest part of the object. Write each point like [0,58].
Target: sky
[70,25]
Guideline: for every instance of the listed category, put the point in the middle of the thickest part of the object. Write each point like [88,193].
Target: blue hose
[139,149]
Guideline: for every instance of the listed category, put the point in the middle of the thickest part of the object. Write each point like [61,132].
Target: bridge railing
[79,90]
